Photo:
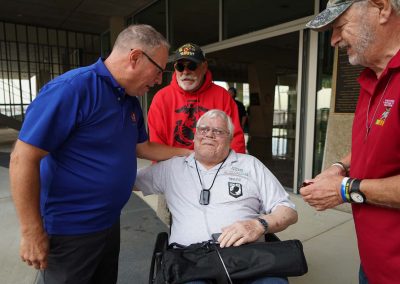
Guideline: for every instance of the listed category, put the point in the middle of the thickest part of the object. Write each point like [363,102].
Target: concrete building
[261,43]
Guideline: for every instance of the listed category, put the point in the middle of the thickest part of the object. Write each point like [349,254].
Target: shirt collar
[368,80]
[102,71]
[232,158]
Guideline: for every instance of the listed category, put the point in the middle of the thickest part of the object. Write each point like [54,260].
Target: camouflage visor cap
[333,10]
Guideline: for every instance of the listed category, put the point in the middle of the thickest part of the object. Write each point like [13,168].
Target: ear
[385,9]
[134,55]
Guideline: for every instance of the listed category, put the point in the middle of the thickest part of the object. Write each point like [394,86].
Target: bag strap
[215,245]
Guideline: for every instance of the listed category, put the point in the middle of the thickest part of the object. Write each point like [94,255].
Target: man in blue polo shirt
[74,163]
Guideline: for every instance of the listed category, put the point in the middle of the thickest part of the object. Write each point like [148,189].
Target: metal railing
[31,56]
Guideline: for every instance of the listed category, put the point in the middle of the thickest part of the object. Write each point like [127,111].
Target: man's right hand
[34,248]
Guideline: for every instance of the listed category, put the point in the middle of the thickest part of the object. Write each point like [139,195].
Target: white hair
[396,6]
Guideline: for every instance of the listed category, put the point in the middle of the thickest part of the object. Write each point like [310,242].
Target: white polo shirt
[243,189]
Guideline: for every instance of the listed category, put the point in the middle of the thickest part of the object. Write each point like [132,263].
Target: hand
[331,171]
[34,248]
[240,232]
[323,192]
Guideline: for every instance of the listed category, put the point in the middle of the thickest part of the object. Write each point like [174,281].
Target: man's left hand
[323,192]
[240,232]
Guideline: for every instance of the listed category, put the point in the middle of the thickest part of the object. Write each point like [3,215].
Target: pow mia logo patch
[235,189]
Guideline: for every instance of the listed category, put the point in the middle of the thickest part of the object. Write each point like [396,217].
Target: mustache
[188,77]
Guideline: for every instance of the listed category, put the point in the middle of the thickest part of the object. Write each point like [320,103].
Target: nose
[336,37]
[186,70]
[210,133]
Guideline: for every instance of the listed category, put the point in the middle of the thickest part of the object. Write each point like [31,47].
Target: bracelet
[349,182]
[342,166]
[343,188]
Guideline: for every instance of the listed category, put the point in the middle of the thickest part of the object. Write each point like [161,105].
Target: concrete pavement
[328,237]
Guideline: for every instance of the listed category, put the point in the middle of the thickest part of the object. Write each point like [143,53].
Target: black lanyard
[205,192]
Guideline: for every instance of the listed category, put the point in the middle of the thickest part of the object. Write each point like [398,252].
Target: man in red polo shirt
[369,176]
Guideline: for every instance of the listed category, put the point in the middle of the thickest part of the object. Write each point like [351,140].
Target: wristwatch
[356,196]
[264,223]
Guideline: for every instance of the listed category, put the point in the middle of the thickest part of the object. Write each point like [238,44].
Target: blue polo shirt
[90,129]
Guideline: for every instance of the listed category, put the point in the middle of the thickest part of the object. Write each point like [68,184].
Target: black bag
[249,261]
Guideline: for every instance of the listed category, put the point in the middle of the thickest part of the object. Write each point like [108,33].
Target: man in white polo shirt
[216,190]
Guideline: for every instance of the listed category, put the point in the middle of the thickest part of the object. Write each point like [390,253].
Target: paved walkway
[328,237]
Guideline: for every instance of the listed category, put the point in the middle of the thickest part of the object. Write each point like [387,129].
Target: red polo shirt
[377,156]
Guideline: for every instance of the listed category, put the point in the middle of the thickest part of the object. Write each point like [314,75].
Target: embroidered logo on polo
[388,103]
[133,117]
[235,189]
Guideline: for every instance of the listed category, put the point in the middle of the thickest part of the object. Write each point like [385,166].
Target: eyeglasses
[203,130]
[152,61]
[190,65]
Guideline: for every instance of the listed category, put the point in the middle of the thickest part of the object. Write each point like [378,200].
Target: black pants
[84,259]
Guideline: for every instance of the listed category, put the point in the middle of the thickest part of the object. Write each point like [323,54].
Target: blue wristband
[343,189]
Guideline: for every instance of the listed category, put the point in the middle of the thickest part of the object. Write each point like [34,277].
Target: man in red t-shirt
[369,176]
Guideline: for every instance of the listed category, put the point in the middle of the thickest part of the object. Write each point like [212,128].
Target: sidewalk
[328,237]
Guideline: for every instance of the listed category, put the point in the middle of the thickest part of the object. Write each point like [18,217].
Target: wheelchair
[161,245]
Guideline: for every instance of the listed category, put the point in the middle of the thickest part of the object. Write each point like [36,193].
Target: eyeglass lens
[203,130]
[179,66]
[205,197]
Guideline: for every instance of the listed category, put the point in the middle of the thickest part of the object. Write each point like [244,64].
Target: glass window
[71,39]
[52,36]
[154,16]
[21,33]
[253,15]
[10,32]
[32,35]
[195,22]
[324,92]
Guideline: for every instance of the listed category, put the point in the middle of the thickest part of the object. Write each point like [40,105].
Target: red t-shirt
[378,156]
[173,113]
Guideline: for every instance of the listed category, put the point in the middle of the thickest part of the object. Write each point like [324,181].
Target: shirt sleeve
[272,192]
[150,180]
[51,117]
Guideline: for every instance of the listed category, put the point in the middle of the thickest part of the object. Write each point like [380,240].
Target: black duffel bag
[207,261]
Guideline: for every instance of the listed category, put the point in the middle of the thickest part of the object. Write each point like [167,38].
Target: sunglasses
[190,65]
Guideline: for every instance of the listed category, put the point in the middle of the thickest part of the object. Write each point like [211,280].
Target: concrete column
[262,80]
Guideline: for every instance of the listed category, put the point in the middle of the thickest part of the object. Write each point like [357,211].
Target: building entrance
[270,67]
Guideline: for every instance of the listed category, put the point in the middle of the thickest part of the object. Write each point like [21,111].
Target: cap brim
[324,20]
[187,58]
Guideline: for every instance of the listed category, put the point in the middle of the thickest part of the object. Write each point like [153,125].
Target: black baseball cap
[190,51]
